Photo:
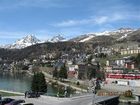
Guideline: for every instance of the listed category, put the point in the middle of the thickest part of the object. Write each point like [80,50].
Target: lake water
[18,83]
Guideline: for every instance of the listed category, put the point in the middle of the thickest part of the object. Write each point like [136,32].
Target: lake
[18,82]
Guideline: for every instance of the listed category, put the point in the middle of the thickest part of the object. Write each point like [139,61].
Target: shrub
[78,83]
[128,93]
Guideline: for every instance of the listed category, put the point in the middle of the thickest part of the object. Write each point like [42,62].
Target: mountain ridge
[106,37]
[30,40]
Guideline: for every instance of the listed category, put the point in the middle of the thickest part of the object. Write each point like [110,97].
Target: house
[84,70]
[26,62]
[129,51]
[72,71]
[103,50]
[118,62]
[129,64]
[59,64]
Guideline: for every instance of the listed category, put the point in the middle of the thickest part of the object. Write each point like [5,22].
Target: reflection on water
[17,82]
[14,82]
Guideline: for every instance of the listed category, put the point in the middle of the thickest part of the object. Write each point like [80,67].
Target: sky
[70,18]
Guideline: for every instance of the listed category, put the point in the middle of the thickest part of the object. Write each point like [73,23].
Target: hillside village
[69,52]
[79,62]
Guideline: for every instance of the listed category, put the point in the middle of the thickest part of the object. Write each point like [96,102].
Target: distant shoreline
[12,92]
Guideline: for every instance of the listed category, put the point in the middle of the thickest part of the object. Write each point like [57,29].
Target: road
[41,100]
[81,100]
[47,100]
[78,100]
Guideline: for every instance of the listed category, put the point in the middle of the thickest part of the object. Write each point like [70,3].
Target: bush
[78,83]
[128,93]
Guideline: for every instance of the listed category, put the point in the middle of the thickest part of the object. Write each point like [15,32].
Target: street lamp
[93,88]
[65,91]
[94,93]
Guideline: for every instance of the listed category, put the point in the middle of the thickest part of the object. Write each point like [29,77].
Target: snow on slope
[121,33]
[87,38]
[122,37]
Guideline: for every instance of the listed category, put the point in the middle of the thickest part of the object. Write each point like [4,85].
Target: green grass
[127,98]
[3,94]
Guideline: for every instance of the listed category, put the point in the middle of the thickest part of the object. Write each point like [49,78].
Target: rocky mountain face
[30,40]
[57,38]
[24,42]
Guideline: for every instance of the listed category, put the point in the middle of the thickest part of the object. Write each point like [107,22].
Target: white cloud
[93,20]
[73,22]
[101,20]
[67,23]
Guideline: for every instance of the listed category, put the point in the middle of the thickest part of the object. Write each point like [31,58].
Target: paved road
[81,100]
[48,100]
[41,100]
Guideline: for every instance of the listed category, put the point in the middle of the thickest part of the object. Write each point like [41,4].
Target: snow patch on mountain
[87,38]
[122,37]
[102,33]
[121,33]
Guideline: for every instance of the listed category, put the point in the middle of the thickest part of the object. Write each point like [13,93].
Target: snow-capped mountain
[119,31]
[117,34]
[24,42]
[57,38]
[31,40]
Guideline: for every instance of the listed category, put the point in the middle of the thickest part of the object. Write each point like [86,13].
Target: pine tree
[55,73]
[63,72]
[39,83]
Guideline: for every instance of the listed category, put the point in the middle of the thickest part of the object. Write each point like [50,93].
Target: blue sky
[47,18]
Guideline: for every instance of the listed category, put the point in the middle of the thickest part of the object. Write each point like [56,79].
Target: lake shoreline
[12,92]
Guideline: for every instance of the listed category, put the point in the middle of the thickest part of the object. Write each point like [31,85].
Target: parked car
[26,104]
[16,102]
[6,101]
[33,94]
